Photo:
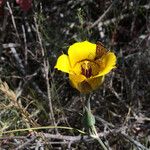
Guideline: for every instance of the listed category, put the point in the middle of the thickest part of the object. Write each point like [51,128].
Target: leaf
[88,118]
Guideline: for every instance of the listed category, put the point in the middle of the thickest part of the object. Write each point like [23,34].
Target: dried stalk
[46,69]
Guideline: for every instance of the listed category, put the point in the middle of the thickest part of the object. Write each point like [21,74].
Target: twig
[113,20]
[23,72]
[82,137]
[19,62]
[39,91]
[75,139]
[39,145]
[46,69]
[13,19]
[3,28]
[136,143]
[26,143]
[25,43]
[103,15]
[65,137]
[13,137]
[10,45]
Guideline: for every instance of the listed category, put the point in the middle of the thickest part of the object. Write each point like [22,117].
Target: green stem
[88,104]
[98,139]
[91,129]
[101,143]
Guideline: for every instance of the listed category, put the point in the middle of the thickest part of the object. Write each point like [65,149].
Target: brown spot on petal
[85,87]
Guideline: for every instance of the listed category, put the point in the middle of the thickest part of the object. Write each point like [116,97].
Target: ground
[35,97]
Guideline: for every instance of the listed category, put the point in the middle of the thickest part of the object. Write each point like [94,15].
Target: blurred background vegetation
[34,94]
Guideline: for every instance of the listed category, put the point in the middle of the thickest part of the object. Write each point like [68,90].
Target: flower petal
[63,63]
[85,85]
[95,82]
[81,51]
[76,81]
[109,61]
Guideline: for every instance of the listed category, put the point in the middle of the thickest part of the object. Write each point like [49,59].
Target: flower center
[89,68]
[86,69]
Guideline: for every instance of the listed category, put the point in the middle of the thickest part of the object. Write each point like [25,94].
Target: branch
[46,71]
[23,72]
[136,143]
[103,15]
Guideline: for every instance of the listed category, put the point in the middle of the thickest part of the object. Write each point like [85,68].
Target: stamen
[82,70]
[89,72]
[86,70]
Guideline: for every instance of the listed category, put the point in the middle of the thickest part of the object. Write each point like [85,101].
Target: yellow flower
[86,64]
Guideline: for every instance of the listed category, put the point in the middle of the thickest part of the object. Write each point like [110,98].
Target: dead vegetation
[35,98]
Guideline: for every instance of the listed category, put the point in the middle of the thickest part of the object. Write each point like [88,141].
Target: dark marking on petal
[86,72]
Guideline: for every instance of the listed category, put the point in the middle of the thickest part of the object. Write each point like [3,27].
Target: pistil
[86,70]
